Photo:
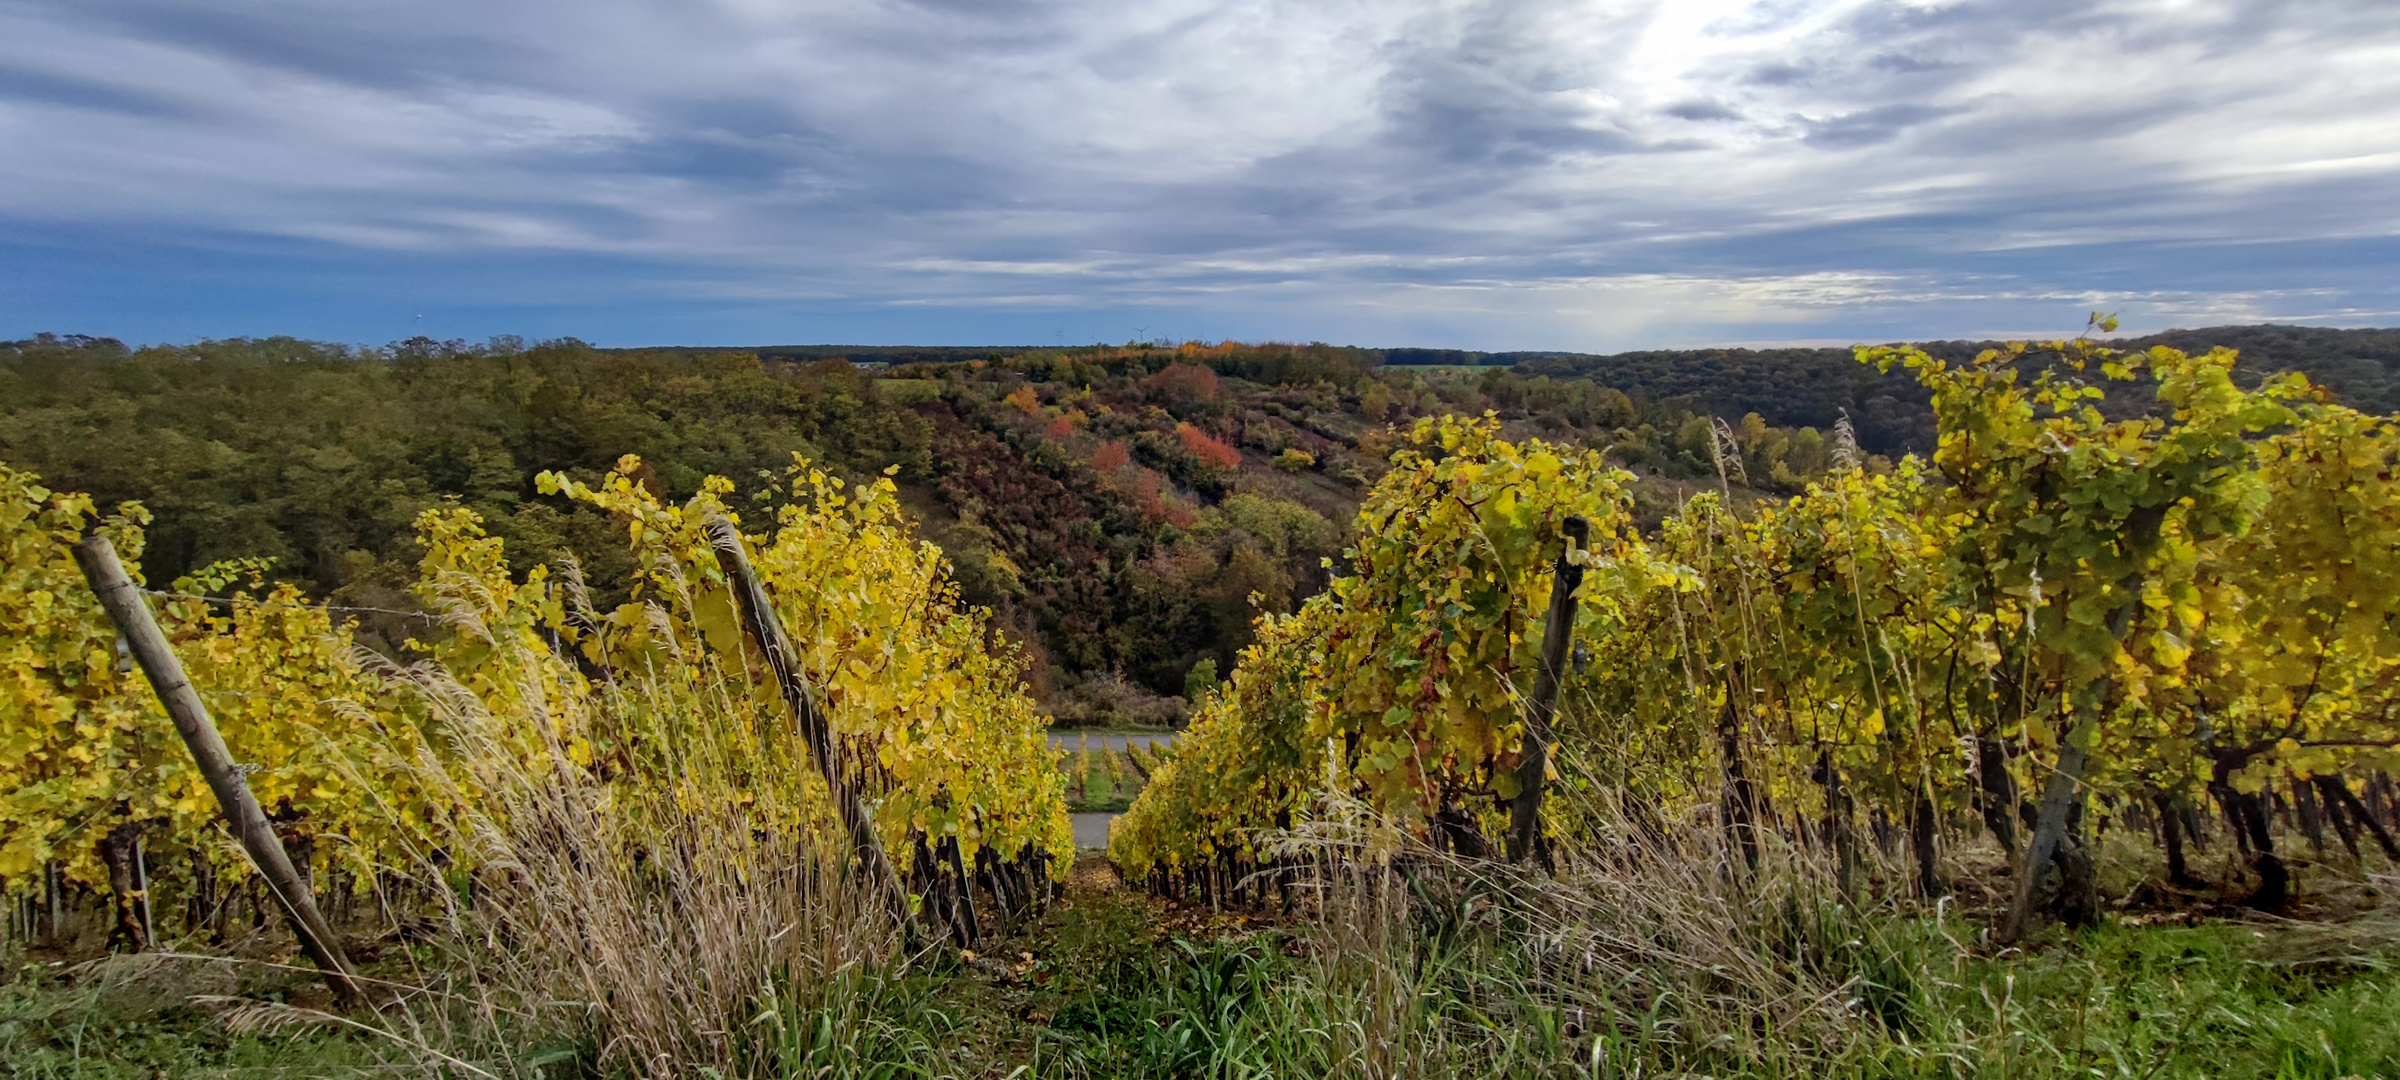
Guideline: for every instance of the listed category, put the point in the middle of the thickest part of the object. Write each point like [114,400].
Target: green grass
[1111,993]
[1110,986]
[1102,797]
[136,1017]
[2204,1001]
[1099,793]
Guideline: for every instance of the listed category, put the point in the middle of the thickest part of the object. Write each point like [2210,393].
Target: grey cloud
[1782,73]
[1463,123]
[77,92]
[1701,111]
[349,43]
[1912,65]
[1870,127]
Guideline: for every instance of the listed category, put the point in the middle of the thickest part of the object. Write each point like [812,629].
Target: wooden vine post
[1533,766]
[2063,792]
[758,617]
[124,605]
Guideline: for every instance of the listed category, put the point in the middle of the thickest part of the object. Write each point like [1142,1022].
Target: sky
[1485,174]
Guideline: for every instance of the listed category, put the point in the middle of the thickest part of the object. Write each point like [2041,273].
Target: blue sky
[1492,174]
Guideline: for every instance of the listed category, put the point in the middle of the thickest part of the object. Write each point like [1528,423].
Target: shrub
[1213,452]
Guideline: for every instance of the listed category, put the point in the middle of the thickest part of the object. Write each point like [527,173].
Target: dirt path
[1093,877]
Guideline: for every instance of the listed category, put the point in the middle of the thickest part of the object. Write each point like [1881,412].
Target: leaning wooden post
[123,602]
[2064,789]
[758,616]
[1533,764]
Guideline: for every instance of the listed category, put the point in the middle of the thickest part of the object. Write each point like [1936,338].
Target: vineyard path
[1091,829]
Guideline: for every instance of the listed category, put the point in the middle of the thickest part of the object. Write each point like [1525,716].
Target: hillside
[1812,387]
[1124,511]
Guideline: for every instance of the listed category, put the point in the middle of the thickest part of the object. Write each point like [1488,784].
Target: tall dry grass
[659,921]
[1656,953]
[1433,963]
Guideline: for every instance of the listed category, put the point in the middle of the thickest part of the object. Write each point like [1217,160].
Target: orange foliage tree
[1212,451]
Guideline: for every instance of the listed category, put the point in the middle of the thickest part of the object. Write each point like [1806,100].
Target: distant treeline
[1802,387]
[1788,387]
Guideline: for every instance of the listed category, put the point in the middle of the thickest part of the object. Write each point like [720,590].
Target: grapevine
[2071,612]
[360,762]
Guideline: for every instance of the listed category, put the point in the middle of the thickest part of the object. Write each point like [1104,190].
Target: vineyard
[374,771]
[1105,778]
[2063,623]
[1778,785]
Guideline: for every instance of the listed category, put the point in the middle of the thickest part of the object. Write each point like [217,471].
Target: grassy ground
[141,1017]
[1115,984]
[1100,780]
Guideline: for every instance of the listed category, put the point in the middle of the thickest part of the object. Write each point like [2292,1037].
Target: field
[2065,748]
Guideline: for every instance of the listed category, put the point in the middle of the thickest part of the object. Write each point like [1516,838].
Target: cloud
[1869,127]
[1536,173]
[1702,111]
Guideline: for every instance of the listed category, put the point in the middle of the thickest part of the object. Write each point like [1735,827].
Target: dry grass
[1648,958]
[665,922]
[1664,946]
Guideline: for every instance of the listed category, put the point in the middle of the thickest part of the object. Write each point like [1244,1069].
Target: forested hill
[1811,387]
[1119,509]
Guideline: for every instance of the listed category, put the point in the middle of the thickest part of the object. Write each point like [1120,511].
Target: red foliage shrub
[1212,452]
